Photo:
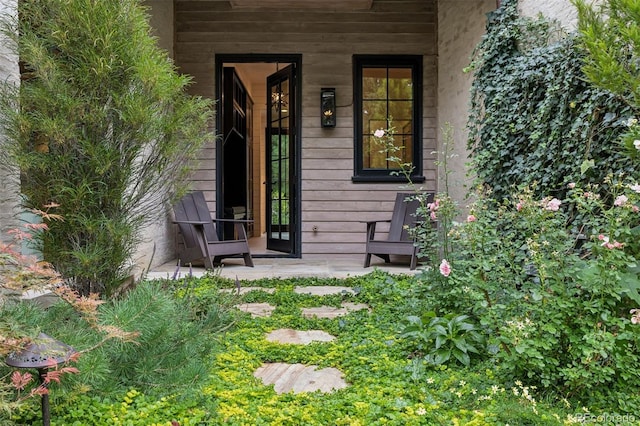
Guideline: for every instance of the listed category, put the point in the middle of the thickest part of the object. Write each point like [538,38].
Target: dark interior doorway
[244,163]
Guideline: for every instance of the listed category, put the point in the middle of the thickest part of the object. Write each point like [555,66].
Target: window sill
[385,179]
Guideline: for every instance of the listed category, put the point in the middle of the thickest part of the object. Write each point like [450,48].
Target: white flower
[636,143]
[620,200]
[635,188]
[378,133]
[553,205]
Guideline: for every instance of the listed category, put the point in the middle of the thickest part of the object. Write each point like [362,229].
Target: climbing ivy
[534,117]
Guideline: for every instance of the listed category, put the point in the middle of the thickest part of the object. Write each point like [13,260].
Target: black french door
[280,156]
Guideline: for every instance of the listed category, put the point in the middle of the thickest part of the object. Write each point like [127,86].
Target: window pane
[375,156]
[400,111]
[374,116]
[400,83]
[386,97]
[374,83]
[405,142]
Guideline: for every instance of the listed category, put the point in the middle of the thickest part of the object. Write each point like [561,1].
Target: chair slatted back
[404,216]
[194,207]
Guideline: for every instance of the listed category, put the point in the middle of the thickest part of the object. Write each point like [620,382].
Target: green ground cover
[389,384]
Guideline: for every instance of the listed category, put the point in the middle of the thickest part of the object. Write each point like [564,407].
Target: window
[387,94]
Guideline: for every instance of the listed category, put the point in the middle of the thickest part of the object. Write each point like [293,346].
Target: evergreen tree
[102,126]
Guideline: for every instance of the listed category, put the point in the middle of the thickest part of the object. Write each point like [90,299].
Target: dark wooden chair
[399,240]
[199,234]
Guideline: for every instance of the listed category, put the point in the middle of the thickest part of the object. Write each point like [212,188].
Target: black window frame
[415,63]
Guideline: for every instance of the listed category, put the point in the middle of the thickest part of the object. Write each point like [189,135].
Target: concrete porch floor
[285,268]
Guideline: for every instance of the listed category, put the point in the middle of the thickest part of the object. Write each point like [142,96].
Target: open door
[280,149]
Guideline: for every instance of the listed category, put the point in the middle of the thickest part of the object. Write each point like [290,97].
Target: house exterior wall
[561,10]
[458,35]
[158,238]
[9,178]
[331,203]
[161,18]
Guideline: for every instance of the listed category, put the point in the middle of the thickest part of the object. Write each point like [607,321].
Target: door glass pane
[284,98]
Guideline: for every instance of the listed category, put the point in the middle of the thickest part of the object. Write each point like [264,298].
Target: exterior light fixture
[328,107]
[43,353]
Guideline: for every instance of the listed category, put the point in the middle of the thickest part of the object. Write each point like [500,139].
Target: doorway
[258,150]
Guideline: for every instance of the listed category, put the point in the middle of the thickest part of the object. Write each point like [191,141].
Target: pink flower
[445,268]
[635,209]
[553,205]
[635,188]
[378,133]
[519,206]
[620,200]
[609,245]
[471,218]
[572,185]
[433,216]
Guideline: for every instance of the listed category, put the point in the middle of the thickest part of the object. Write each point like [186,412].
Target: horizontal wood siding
[333,207]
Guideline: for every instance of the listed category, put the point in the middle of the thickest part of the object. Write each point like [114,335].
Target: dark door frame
[296,59]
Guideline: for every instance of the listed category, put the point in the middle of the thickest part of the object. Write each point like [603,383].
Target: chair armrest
[192,222]
[234,220]
[375,221]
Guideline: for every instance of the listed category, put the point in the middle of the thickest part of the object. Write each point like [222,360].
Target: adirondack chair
[398,241]
[198,231]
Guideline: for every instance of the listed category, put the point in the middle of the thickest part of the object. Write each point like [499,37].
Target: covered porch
[282,268]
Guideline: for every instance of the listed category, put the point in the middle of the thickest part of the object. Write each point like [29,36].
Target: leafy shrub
[169,353]
[556,302]
[444,338]
[100,124]
[535,119]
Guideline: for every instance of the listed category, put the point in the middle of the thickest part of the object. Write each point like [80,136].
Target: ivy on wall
[534,118]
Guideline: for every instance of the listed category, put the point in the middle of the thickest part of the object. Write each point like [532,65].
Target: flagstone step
[299,378]
[245,290]
[257,309]
[323,290]
[330,312]
[288,335]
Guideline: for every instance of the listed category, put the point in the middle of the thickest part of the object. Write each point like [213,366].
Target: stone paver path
[288,335]
[245,290]
[324,290]
[299,377]
[331,312]
[257,309]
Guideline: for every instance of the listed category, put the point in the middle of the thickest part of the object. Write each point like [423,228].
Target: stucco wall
[160,235]
[8,177]
[458,34]
[561,10]
[161,20]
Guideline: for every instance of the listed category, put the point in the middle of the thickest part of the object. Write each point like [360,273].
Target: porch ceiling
[303,4]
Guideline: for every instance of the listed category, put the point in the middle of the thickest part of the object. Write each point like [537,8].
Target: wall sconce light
[328,107]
